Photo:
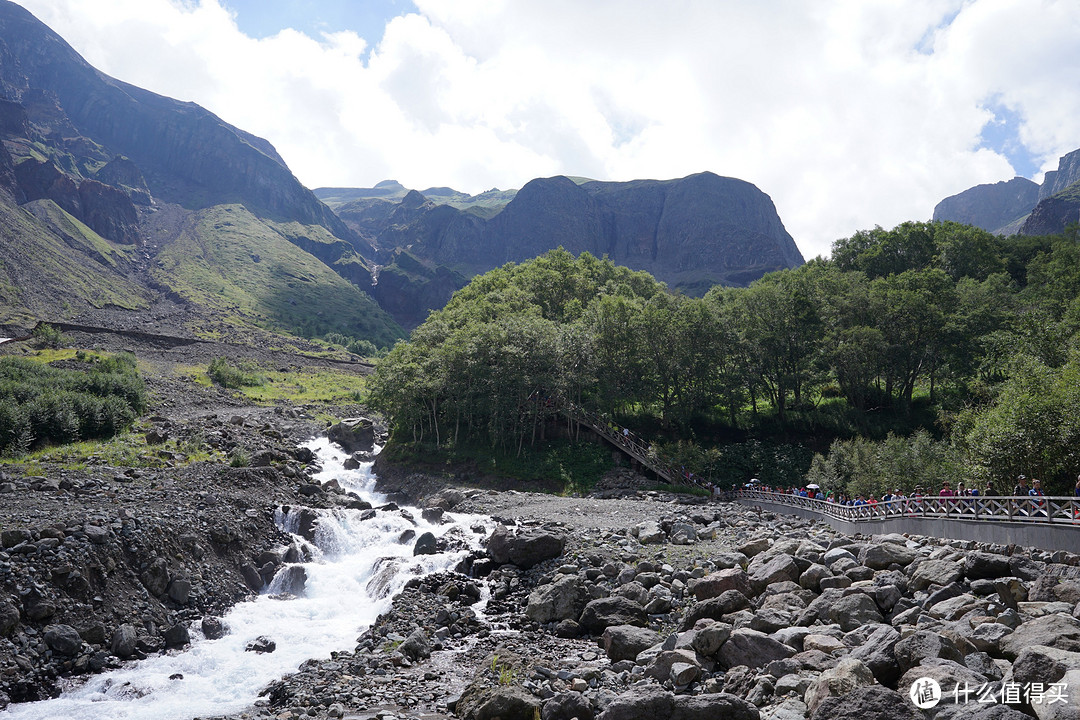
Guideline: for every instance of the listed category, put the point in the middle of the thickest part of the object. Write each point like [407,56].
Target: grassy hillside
[236,265]
[52,266]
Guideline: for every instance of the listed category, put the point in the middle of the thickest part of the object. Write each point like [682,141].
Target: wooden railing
[629,442]
[1064,510]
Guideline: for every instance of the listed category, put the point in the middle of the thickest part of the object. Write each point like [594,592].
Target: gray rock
[213,628]
[156,577]
[179,590]
[773,570]
[123,641]
[177,636]
[716,583]
[936,572]
[715,608]
[752,649]
[708,637]
[868,703]
[811,577]
[848,675]
[923,645]
[353,434]
[659,668]
[526,548]
[605,612]
[652,703]
[63,639]
[877,651]
[1057,631]
[649,533]
[625,642]
[853,611]
[261,644]
[567,706]
[948,674]
[881,555]
[683,534]
[9,618]
[506,703]
[563,599]
[984,565]
[426,544]
[416,646]
[987,637]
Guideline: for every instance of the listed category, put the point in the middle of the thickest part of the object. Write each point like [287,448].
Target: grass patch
[303,386]
[234,377]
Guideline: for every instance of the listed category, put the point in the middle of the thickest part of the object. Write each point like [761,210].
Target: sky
[847,113]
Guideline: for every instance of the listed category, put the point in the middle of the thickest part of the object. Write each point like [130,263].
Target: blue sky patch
[367,18]
[1002,135]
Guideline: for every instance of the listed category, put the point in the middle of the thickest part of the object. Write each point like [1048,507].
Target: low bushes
[42,404]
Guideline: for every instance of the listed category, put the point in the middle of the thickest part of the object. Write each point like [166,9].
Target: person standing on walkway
[1038,507]
[1020,490]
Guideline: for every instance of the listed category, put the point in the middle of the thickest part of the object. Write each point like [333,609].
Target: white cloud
[847,113]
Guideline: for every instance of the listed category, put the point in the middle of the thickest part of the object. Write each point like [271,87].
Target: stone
[506,703]
[987,636]
[709,636]
[650,702]
[948,673]
[213,628]
[353,434]
[261,644]
[715,608]
[751,648]
[123,641]
[177,636]
[854,611]
[936,572]
[824,643]
[683,534]
[877,651]
[811,577]
[567,706]
[63,639]
[849,674]
[563,599]
[416,646]
[605,612]
[659,668]
[754,547]
[1056,631]
[9,618]
[880,556]
[625,642]
[773,570]
[984,565]
[426,544]
[872,702]
[156,577]
[922,645]
[649,533]
[716,583]
[179,590]
[292,579]
[526,548]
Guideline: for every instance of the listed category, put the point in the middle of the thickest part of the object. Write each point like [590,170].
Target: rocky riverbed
[630,604]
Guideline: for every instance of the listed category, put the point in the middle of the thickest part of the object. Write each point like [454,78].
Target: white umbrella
[813,486]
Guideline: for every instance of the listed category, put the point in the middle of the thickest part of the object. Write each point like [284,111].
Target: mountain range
[115,200]
[1020,206]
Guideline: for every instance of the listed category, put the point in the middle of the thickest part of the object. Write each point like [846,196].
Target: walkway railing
[627,441]
[1044,509]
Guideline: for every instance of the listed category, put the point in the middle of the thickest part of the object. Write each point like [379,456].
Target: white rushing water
[357,568]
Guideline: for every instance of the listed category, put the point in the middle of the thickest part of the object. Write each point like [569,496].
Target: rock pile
[756,617]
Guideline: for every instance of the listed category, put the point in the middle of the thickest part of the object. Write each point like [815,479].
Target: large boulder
[525,548]
[877,651]
[880,556]
[872,702]
[716,583]
[123,641]
[567,706]
[650,702]
[602,613]
[984,565]
[560,600]
[752,648]
[853,611]
[838,681]
[715,608]
[936,572]
[353,434]
[1057,631]
[779,568]
[63,639]
[624,642]
[923,645]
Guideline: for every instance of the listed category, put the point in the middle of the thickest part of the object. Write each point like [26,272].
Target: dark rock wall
[990,206]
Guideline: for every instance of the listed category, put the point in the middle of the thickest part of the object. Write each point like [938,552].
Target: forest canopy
[925,352]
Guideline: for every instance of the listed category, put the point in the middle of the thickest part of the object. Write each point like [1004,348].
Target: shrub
[233,377]
[49,336]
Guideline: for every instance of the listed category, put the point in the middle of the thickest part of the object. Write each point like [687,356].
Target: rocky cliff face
[1019,205]
[990,206]
[692,232]
[187,155]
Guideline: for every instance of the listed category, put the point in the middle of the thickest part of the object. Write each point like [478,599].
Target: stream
[356,569]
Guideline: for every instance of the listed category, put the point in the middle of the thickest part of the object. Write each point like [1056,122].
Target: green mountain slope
[246,271]
[53,267]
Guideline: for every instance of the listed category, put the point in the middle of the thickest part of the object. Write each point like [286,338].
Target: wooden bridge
[628,442]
